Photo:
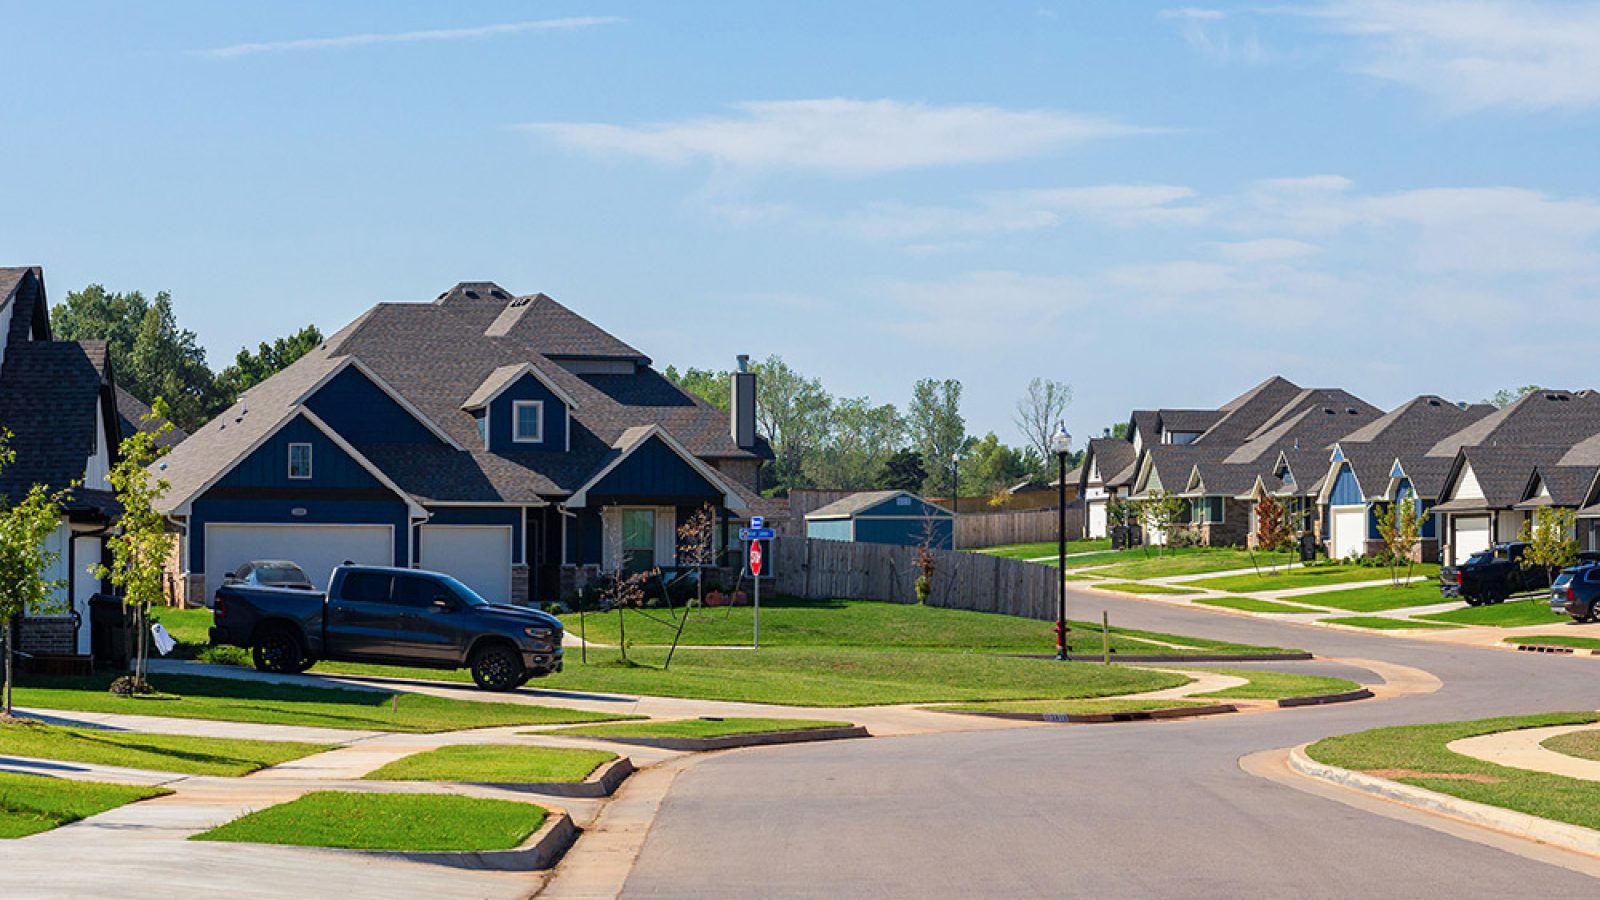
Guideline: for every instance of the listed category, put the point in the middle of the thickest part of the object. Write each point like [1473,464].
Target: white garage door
[1349,526]
[1471,536]
[315,548]
[478,555]
[1097,518]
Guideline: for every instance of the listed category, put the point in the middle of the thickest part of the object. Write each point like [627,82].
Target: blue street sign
[756,522]
[757,534]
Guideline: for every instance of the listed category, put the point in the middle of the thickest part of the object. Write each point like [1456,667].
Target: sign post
[755,534]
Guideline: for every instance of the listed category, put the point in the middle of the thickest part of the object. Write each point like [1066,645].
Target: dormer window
[483,429]
[527,421]
[300,461]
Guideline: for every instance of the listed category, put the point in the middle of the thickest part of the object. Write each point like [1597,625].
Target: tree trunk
[6,703]
[622,633]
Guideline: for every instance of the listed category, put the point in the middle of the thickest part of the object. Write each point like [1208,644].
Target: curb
[1546,831]
[1299,656]
[540,851]
[730,742]
[1565,651]
[602,782]
[1143,715]
[1321,699]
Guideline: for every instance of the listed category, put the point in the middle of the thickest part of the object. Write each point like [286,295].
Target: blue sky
[1161,205]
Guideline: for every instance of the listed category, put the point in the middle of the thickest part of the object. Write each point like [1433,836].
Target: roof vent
[471,295]
[1433,402]
[499,294]
[519,302]
[1353,411]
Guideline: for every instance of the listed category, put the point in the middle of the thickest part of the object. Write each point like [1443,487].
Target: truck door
[362,617]
[427,634]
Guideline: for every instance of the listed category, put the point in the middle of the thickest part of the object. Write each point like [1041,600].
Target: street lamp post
[1061,443]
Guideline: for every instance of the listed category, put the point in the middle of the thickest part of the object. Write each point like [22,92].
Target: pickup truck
[1492,575]
[390,616]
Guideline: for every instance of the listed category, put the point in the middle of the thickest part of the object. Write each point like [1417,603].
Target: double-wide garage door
[317,549]
[479,556]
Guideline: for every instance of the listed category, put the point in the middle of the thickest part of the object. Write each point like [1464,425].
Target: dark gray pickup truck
[391,616]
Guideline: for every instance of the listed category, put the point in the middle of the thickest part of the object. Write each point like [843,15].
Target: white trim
[394,395]
[526,369]
[730,497]
[517,406]
[310,460]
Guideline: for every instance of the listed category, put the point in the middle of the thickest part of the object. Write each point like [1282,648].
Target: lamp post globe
[1061,445]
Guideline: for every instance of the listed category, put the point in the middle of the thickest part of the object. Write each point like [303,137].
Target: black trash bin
[110,631]
[1308,548]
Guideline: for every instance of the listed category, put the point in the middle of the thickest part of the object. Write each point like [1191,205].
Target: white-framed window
[483,428]
[527,421]
[300,461]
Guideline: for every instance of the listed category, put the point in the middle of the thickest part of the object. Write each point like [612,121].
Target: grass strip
[1216,560]
[1511,614]
[31,804]
[415,822]
[1557,640]
[157,752]
[1134,587]
[1072,707]
[1385,624]
[496,764]
[1380,598]
[1417,755]
[1303,578]
[1045,548]
[236,700]
[1265,685]
[697,728]
[1582,744]
[1252,604]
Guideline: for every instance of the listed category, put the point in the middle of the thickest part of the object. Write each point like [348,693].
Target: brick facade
[47,636]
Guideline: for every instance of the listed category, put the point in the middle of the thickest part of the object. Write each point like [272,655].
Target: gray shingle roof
[1114,458]
[855,503]
[132,416]
[49,392]
[1406,433]
[1543,418]
[1503,473]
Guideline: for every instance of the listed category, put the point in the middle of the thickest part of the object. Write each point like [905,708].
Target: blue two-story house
[502,439]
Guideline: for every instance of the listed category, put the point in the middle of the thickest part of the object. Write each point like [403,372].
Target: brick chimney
[742,409]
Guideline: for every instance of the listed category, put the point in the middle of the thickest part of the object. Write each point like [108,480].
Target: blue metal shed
[883,517]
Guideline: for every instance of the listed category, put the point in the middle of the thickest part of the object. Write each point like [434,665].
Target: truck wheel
[497,668]
[278,650]
[1591,616]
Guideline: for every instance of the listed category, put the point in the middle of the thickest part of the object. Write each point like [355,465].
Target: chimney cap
[744,362]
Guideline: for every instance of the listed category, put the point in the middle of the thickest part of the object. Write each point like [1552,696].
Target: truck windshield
[467,595]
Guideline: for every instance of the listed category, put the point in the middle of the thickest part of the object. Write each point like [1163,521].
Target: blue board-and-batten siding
[482,515]
[1345,492]
[363,413]
[502,421]
[259,491]
[904,532]
[584,536]
[653,474]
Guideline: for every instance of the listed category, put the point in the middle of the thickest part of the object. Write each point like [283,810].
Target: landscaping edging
[1176,712]
[540,851]
[602,782]
[1547,831]
[1320,699]
[732,741]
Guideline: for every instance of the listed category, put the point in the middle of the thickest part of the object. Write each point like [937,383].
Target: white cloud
[1475,54]
[1203,29]
[999,212]
[983,311]
[842,135]
[235,51]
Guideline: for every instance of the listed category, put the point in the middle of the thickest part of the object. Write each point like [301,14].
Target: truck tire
[278,650]
[1592,615]
[497,667]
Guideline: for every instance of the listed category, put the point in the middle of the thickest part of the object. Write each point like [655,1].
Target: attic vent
[1353,411]
[1328,410]
[1433,403]
[472,295]
[499,294]
[519,302]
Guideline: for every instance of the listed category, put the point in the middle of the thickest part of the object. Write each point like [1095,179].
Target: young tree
[250,369]
[1552,540]
[24,562]
[938,430]
[141,544]
[1274,531]
[1040,411]
[1400,529]
[1121,511]
[1161,512]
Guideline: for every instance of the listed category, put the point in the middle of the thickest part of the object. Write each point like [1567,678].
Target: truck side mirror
[444,604]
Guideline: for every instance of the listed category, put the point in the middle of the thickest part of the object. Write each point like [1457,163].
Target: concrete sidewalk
[1522,750]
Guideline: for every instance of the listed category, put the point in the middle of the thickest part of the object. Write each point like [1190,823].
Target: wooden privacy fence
[825,570]
[1027,527]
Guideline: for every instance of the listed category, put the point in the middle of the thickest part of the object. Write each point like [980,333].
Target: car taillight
[1571,595]
[216,605]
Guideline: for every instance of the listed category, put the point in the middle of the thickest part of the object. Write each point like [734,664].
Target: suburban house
[1494,462]
[1107,472]
[1386,461]
[66,419]
[900,518]
[500,438]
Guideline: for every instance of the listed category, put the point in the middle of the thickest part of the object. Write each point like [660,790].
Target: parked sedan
[270,573]
[1576,593]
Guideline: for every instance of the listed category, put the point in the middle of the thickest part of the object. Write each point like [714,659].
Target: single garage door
[1349,526]
[478,555]
[1471,536]
[316,548]
[1097,518]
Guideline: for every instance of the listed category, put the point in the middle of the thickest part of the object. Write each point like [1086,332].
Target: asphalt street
[1131,810]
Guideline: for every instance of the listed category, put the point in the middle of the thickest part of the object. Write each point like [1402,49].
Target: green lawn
[1152,555]
[1510,614]
[1251,604]
[158,752]
[1135,587]
[417,822]
[1380,597]
[1279,685]
[1303,578]
[191,627]
[496,764]
[1417,755]
[1382,624]
[1045,548]
[1582,744]
[1214,560]
[697,728]
[1072,707]
[231,700]
[1557,640]
[30,804]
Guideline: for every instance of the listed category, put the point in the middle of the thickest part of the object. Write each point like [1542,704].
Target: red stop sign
[755,557]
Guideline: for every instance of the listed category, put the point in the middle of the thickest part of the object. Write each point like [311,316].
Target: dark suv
[1576,593]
